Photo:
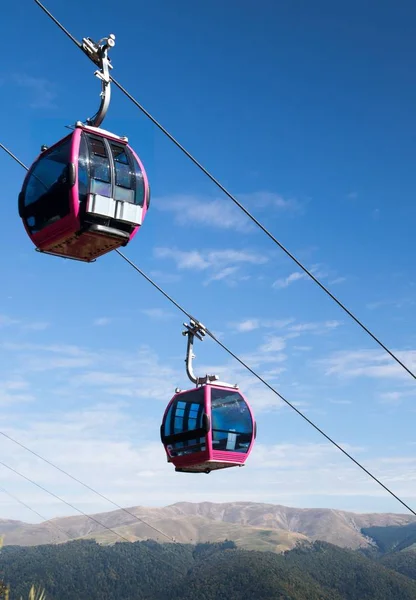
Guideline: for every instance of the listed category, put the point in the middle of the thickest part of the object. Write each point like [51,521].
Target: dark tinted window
[124,175]
[139,196]
[185,415]
[50,169]
[46,196]
[99,168]
[83,162]
[232,426]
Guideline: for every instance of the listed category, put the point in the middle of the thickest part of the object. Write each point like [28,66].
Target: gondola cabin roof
[207,428]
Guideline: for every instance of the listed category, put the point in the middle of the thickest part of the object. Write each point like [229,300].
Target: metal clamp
[197,330]
[98,53]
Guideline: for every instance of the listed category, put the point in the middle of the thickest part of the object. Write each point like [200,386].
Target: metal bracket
[98,53]
[197,330]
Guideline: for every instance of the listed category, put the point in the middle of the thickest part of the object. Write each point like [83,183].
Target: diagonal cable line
[41,487]
[262,380]
[237,203]
[14,157]
[271,388]
[125,510]
[90,517]
[88,487]
[44,519]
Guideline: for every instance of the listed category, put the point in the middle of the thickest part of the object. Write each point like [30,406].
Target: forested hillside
[151,571]
[398,537]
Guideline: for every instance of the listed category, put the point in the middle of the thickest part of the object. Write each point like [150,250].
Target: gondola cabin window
[46,197]
[184,424]
[232,425]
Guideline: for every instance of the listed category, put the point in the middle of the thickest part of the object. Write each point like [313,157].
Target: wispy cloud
[42,91]
[317,270]
[352,195]
[101,321]
[6,321]
[286,281]
[40,357]
[221,265]
[165,277]
[315,327]
[397,303]
[221,212]
[24,325]
[368,363]
[158,314]
[394,398]
[37,325]
[340,402]
[290,328]
[271,200]
[14,392]
[274,343]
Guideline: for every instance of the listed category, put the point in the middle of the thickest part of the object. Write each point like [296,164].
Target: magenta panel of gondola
[208,428]
[84,196]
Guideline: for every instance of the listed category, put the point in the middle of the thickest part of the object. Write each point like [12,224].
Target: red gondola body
[84,196]
[208,428]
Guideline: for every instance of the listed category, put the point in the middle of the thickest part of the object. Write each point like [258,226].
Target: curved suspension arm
[197,330]
[98,53]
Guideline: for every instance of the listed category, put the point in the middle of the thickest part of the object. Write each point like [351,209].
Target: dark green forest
[152,571]
[391,538]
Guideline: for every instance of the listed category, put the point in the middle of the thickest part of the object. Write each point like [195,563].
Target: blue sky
[306,113]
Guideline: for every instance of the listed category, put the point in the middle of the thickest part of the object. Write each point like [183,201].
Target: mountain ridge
[252,525]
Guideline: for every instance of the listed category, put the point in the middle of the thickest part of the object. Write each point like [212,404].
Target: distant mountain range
[252,526]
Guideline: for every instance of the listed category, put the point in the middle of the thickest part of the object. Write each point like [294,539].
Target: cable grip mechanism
[98,53]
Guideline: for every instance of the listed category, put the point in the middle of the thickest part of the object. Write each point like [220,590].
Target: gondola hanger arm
[195,329]
[98,53]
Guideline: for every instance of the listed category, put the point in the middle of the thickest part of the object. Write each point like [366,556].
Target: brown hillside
[251,525]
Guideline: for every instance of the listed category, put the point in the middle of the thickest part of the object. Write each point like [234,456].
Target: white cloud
[340,402]
[42,91]
[396,397]
[38,357]
[259,200]
[111,439]
[158,314]
[274,344]
[290,327]
[369,363]
[220,264]
[101,321]
[134,471]
[189,209]
[246,325]
[37,326]
[6,321]
[286,281]
[221,212]
[401,303]
[163,277]
[319,271]
[228,274]
[315,327]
